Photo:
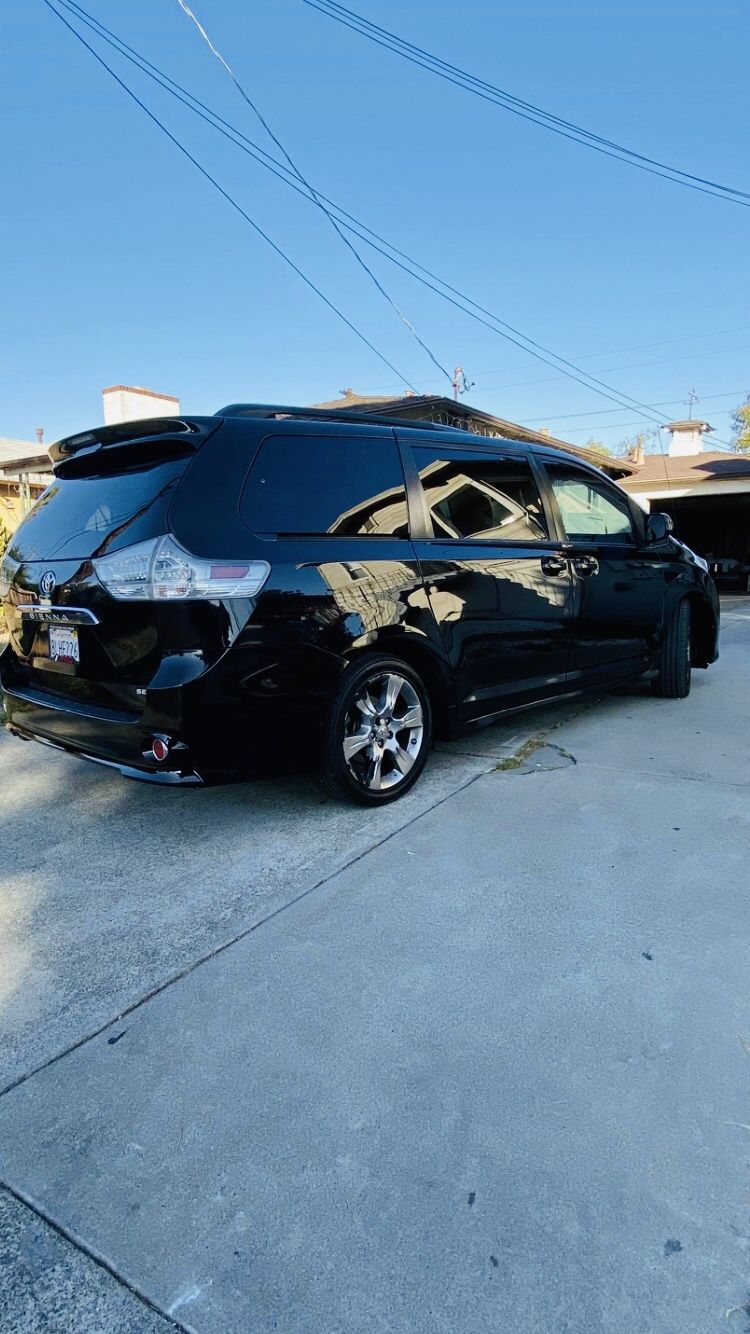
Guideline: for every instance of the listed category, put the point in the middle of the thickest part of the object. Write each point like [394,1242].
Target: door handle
[586,565]
[554,565]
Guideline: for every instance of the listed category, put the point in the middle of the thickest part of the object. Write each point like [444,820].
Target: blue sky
[121,264]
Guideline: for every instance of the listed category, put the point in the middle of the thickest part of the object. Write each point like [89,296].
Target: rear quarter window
[345,486]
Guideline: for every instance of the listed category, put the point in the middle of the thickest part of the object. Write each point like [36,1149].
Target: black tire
[363,683]
[675,671]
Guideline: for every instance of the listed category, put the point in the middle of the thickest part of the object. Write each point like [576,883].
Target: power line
[664,402]
[225,193]
[644,410]
[630,366]
[372,238]
[316,197]
[609,352]
[642,347]
[417,55]
[622,426]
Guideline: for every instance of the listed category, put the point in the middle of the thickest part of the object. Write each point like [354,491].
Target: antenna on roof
[460,383]
[690,400]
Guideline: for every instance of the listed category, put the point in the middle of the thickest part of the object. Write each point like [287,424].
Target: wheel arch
[703,628]
[418,653]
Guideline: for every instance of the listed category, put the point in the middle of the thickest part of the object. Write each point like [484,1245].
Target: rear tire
[675,670]
[367,756]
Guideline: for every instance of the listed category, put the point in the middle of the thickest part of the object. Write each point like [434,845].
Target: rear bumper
[106,737]
[165,777]
[242,718]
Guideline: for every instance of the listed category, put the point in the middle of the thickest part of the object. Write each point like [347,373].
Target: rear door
[498,582]
[67,635]
[619,582]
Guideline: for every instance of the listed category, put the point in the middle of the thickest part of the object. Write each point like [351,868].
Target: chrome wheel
[383,732]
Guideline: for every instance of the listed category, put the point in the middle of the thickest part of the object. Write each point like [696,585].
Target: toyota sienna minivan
[200,598]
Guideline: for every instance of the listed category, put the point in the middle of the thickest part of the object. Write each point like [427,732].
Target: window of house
[345,486]
[484,499]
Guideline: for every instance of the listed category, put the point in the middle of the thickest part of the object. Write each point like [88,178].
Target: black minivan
[198,598]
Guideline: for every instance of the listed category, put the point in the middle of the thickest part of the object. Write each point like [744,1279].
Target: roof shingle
[709,466]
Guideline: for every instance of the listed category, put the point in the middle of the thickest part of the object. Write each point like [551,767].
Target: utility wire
[608,352]
[277,169]
[313,192]
[277,249]
[225,193]
[526,110]
[637,347]
[398,257]
[664,402]
[621,426]
[630,366]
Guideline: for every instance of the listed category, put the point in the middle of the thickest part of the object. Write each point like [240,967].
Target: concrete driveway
[478,1062]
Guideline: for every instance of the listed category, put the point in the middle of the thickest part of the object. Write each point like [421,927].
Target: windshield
[85,516]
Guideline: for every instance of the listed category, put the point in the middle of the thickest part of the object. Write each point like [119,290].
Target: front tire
[378,732]
[675,670]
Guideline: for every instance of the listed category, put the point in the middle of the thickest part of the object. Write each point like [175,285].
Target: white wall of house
[658,491]
[129,403]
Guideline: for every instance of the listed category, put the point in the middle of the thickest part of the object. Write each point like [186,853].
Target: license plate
[63,643]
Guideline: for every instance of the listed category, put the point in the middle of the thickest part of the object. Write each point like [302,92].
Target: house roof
[14,452]
[22,456]
[436,407]
[709,466]
[11,449]
[352,400]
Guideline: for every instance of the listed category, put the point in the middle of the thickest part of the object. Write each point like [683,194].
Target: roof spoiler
[103,437]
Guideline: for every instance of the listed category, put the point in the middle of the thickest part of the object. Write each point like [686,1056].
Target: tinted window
[83,515]
[589,507]
[485,499]
[350,486]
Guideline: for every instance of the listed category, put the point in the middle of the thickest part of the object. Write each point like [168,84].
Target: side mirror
[658,527]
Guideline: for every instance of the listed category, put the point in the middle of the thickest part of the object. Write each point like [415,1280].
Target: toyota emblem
[47,583]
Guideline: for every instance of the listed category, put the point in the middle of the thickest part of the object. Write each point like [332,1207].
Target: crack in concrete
[538,768]
[95,1256]
[677,778]
[240,935]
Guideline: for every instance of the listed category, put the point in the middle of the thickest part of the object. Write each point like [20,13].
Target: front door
[619,582]
[499,586]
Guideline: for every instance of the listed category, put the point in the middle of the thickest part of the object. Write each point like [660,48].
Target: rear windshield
[79,516]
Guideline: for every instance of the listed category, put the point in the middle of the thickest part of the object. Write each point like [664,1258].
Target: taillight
[160,570]
[8,569]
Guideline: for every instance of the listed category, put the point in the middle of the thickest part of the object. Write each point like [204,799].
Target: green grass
[522,754]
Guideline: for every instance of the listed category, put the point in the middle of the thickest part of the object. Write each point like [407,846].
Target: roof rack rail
[276,410]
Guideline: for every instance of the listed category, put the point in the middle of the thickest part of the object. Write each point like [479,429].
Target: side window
[487,499]
[347,486]
[589,507]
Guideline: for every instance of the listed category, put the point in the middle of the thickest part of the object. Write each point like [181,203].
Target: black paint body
[239,684]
